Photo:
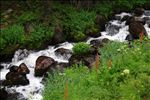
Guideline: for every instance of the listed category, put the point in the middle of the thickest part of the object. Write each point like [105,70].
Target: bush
[81,48]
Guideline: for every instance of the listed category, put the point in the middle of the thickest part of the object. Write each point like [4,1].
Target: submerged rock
[66,53]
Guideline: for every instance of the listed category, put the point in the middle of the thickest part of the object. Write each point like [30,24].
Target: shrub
[79,36]
[81,48]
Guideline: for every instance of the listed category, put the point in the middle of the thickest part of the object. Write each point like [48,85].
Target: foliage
[81,48]
[127,79]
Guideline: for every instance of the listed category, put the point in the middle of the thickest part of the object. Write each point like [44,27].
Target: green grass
[128,78]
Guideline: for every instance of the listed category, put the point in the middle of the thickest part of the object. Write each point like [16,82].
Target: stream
[115,31]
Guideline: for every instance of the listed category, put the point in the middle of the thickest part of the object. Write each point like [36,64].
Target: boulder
[135,28]
[100,21]
[138,12]
[98,43]
[63,52]
[58,36]
[135,19]
[13,78]
[124,18]
[87,60]
[23,69]
[17,76]
[3,94]
[43,63]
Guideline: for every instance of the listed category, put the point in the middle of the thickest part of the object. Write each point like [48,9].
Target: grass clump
[127,79]
[81,48]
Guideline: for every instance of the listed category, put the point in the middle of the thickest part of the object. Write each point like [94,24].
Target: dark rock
[13,78]
[117,17]
[138,12]
[63,52]
[13,68]
[16,96]
[58,36]
[99,43]
[43,63]
[146,19]
[3,94]
[146,6]
[96,43]
[61,66]
[1,67]
[93,32]
[23,69]
[101,21]
[87,60]
[147,12]
[134,19]
[135,29]
[17,76]
[125,18]
[112,29]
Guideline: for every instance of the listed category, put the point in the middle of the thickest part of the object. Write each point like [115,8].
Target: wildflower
[97,62]
[109,64]
[66,91]
[126,71]
[118,50]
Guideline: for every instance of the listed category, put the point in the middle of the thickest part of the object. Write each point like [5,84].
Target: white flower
[118,50]
[126,71]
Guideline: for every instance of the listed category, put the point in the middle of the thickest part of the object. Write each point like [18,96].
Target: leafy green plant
[81,48]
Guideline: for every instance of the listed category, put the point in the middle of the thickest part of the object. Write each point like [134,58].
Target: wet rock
[17,76]
[147,12]
[99,43]
[58,36]
[13,78]
[134,19]
[3,94]
[112,29]
[61,66]
[100,21]
[43,63]
[63,52]
[146,18]
[117,17]
[16,96]
[23,69]
[20,54]
[138,12]
[135,29]
[96,43]
[13,68]
[1,67]
[87,60]
[125,18]
[93,32]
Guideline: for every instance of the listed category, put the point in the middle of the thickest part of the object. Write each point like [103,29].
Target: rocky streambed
[23,77]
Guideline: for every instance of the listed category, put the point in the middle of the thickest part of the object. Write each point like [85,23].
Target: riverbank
[121,72]
[35,29]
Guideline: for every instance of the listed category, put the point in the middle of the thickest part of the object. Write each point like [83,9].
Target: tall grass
[128,78]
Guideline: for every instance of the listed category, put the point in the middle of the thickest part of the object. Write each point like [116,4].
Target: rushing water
[34,89]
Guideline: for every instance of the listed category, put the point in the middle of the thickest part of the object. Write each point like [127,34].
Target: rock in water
[135,29]
[17,76]
[43,63]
